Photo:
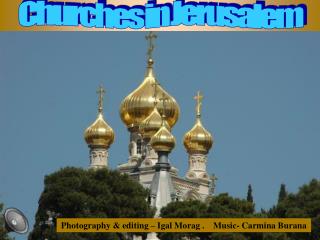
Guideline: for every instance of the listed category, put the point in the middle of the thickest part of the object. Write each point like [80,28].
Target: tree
[305,203]
[249,194]
[228,236]
[3,232]
[185,209]
[219,206]
[74,192]
[282,193]
[224,205]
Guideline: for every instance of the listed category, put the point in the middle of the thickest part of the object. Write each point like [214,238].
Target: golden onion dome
[152,124]
[139,104]
[198,139]
[99,133]
[163,140]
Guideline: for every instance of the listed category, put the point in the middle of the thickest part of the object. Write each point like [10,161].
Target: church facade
[149,113]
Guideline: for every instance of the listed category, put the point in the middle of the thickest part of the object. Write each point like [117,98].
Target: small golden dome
[99,133]
[163,140]
[152,124]
[138,105]
[198,139]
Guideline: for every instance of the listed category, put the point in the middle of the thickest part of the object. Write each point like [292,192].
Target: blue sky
[261,102]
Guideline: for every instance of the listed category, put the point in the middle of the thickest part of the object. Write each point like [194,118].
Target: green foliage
[224,205]
[74,192]
[283,194]
[227,236]
[305,203]
[217,207]
[3,232]
[249,194]
[274,236]
[185,209]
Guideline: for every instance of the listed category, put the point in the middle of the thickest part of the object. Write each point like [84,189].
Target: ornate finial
[164,99]
[198,98]
[155,92]
[100,92]
[150,37]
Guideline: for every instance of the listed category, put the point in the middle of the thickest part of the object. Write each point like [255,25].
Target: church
[149,113]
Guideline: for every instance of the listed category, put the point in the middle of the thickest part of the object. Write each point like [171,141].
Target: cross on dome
[164,99]
[101,93]
[155,92]
[150,37]
[198,98]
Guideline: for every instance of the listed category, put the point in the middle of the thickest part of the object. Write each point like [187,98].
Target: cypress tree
[249,194]
[282,193]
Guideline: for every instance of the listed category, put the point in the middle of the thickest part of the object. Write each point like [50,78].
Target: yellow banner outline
[183,225]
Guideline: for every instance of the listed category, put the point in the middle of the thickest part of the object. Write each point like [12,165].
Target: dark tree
[185,209]
[228,236]
[282,193]
[224,205]
[74,192]
[305,203]
[3,232]
[218,207]
[249,194]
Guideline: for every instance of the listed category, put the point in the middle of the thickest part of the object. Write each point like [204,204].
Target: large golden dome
[198,139]
[139,104]
[99,133]
[163,140]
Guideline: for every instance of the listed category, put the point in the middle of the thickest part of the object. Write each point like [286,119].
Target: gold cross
[198,98]
[150,37]
[100,92]
[163,100]
[155,92]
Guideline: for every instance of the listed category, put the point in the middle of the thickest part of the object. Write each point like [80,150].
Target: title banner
[181,15]
[184,225]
